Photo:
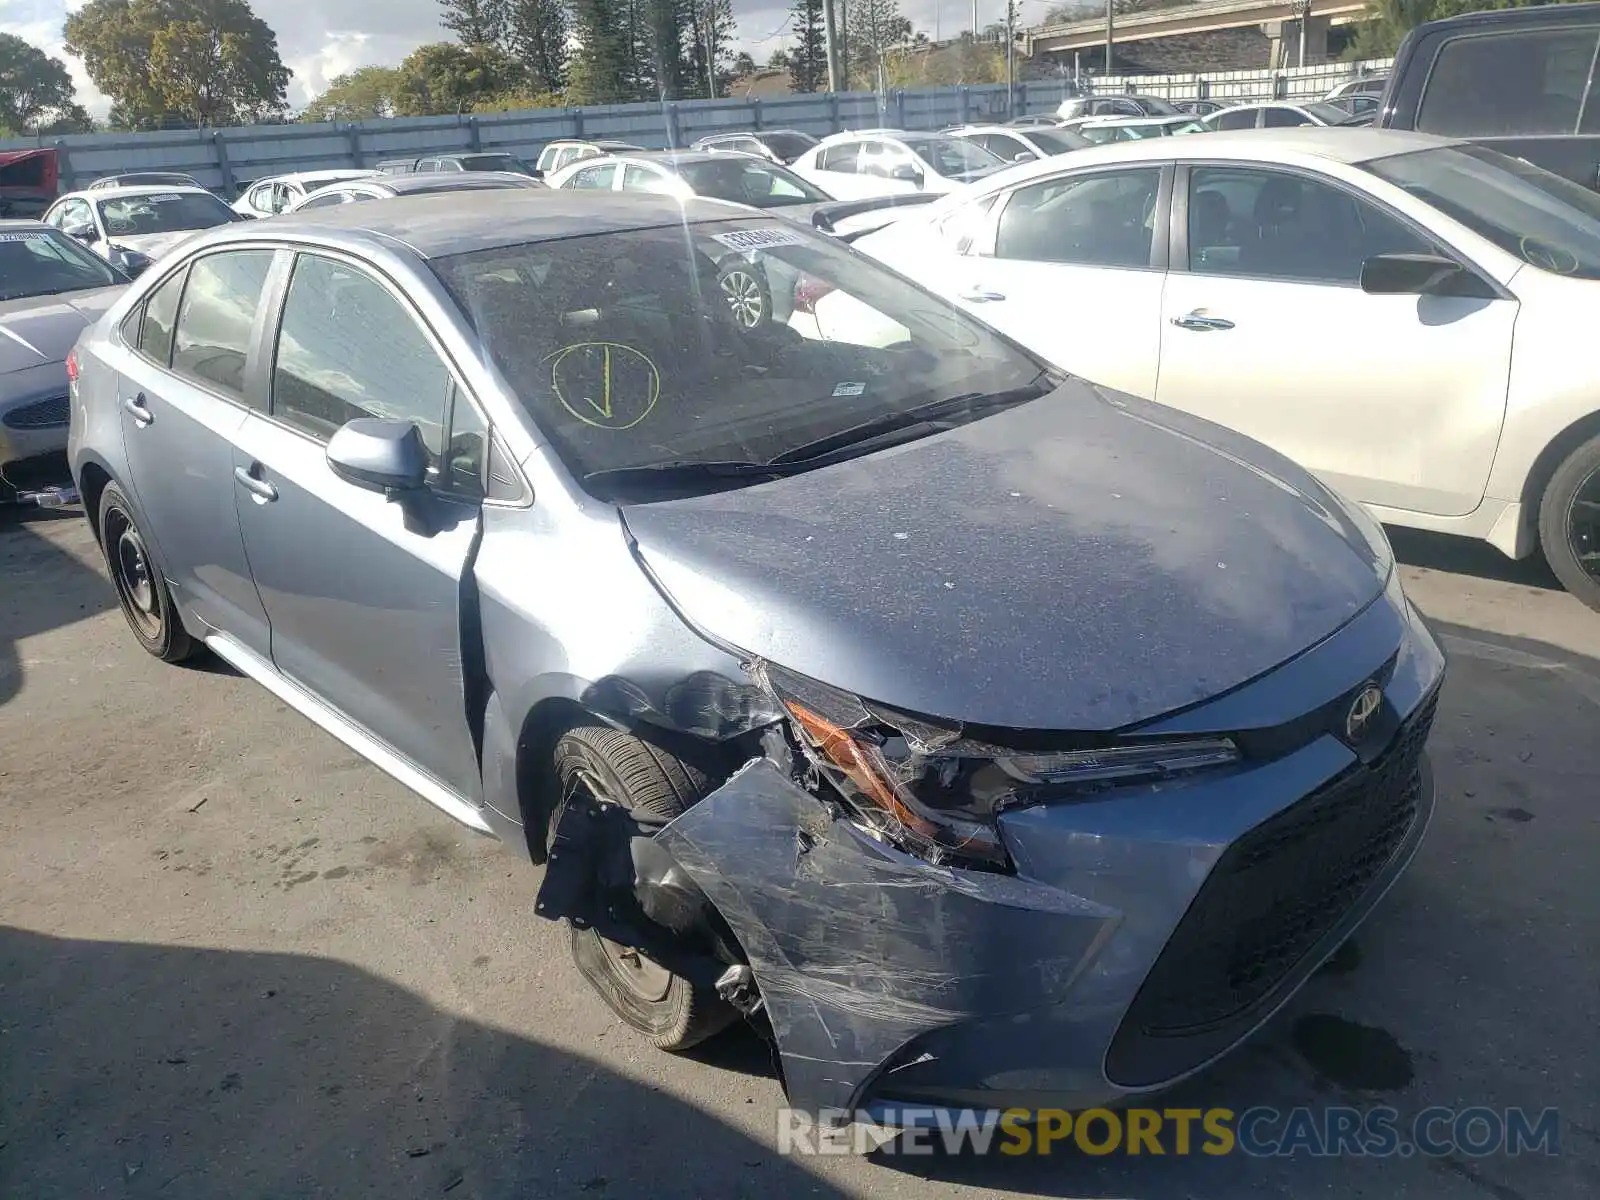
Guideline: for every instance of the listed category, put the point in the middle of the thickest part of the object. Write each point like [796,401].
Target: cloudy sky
[321,40]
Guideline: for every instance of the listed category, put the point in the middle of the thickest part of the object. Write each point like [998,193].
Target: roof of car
[613,143]
[1534,15]
[460,181]
[20,225]
[673,158]
[338,175]
[139,189]
[1302,144]
[446,223]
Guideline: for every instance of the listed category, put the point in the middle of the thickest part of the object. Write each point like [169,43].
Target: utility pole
[1304,8]
[974,20]
[830,34]
[1011,58]
[1110,34]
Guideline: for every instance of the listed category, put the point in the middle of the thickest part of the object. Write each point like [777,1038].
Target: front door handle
[259,488]
[1198,320]
[980,295]
[136,409]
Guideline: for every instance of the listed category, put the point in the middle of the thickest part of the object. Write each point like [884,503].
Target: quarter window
[1101,220]
[1244,119]
[346,349]
[160,313]
[1273,225]
[642,179]
[212,337]
[1509,85]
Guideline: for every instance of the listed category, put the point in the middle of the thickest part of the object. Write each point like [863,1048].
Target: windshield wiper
[887,429]
[937,414]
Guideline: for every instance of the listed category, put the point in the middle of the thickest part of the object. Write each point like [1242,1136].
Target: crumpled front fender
[859,948]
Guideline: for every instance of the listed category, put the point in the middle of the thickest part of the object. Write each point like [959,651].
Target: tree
[474,22]
[361,95]
[443,77]
[600,71]
[209,62]
[32,84]
[778,60]
[1388,21]
[743,65]
[808,64]
[536,34]
[71,117]
[874,27]
[710,47]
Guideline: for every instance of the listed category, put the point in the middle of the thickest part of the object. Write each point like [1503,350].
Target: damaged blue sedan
[986,737]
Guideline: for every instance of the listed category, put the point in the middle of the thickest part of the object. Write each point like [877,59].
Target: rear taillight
[807,291]
[72,366]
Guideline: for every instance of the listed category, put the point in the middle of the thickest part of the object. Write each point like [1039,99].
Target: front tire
[141,588]
[597,765]
[1569,523]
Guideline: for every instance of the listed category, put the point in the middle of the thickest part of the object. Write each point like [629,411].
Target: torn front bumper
[1146,932]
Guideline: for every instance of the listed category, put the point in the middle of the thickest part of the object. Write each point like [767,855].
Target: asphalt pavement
[236,961]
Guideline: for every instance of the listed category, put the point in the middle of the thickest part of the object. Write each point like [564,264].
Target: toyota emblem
[1362,709]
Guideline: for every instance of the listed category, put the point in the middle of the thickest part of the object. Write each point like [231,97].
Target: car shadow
[44,589]
[1468,556]
[1425,1005]
[157,1070]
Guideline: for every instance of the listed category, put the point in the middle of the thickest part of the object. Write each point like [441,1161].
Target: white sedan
[1406,315]
[891,162]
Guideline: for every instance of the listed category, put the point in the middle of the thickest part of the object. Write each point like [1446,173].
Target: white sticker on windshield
[849,389]
[164,198]
[30,236]
[759,239]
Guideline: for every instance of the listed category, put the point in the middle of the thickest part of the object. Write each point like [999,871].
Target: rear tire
[1569,523]
[598,765]
[141,588]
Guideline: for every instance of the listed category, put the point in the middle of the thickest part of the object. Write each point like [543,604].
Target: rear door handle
[259,488]
[980,295]
[1198,320]
[136,409]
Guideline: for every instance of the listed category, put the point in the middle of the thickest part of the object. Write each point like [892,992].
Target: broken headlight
[930,788]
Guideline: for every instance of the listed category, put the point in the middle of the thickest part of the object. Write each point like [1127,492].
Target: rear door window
[595,178]
[1510,84]
[1244,119]
[1284,118]
[843,157]
[1106,219]
[212,338]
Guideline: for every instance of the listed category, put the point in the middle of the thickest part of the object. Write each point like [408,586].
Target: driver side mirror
[1421,275]
[1023,156]
[82,232]
[379,454]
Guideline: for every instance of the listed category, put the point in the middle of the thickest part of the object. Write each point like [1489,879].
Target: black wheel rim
[637,974]
[133,573]
[744,298]
[1583,525]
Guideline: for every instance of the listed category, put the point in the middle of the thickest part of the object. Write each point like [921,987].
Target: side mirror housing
[907,173]
[87,234]
[1024,156]
[1403,274]
[380,455]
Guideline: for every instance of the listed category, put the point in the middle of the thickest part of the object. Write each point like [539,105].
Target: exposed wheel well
[1551,458]
[92,484]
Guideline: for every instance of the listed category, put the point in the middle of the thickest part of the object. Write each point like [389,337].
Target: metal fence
[224,159]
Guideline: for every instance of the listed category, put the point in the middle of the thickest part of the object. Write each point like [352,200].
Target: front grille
[41,414]
[1273,895]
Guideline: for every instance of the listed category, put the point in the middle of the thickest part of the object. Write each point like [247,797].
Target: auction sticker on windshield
[164,198]
[32,235]
[759,239]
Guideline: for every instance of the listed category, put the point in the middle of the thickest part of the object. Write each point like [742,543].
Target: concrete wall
[225,158]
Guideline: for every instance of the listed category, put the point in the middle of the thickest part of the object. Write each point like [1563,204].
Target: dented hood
[41,329]
[1086,561]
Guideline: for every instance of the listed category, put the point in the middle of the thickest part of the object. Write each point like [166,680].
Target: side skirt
[249,663]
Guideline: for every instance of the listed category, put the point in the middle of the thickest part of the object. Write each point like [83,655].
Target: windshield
[493,162]
[788,146]
[1057,141]
[749,182]
[727,341]
[1546,221]
[162,212]
[950,156]
[1331,114]
[1157,107]
[42,262]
